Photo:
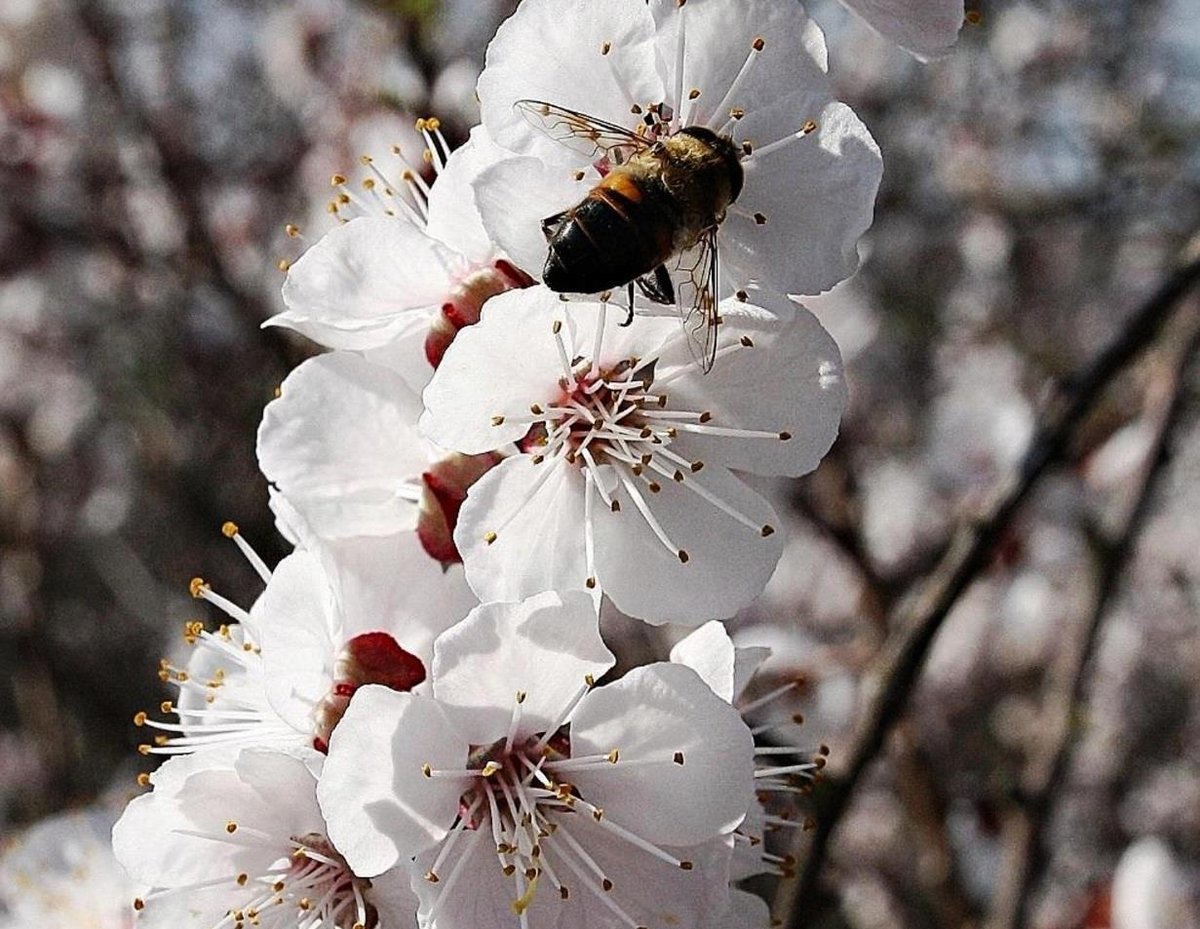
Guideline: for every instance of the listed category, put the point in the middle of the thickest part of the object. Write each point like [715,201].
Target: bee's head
[724,147]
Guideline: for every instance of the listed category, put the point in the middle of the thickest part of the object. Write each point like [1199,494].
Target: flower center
[616,423]
[311,887]
[519,793]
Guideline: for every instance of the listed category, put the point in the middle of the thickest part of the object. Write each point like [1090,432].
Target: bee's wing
[581,133]
[696,296]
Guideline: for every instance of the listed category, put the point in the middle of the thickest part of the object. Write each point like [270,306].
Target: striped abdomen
[624,228]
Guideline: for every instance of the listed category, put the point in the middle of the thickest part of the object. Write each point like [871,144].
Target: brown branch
[1025,854]
[925,807]
[968,554]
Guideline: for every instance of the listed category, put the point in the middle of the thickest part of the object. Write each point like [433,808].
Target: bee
[651,219]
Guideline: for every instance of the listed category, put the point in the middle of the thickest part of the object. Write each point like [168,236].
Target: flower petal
[380,806]
[389,583]
[515,344]
[341,441]
[543,647]
[453,216]
[515,194]
[656,893]
[771,44]
[301,633]
[709,652]
[364,283]
[702,779]
[536,515]
[795,228]
[596,58]
[481,896]
[161,838]
[728,563]
[788,381]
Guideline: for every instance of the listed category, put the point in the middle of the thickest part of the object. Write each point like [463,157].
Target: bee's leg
[658,286]
[629,318]
[551,224]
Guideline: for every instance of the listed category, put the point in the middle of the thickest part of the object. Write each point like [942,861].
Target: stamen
[514,722]
[653,523]
[455,873]
[563,356]
[803,132]
[593,471]
[201,591]
[680,60]
[727,101]
[541,743]
[632,838]
[230,531]
[745,708]
[532,491]
[788,769]
[728,509]
[598,341]
[590,761]
[589,543]
[730,432]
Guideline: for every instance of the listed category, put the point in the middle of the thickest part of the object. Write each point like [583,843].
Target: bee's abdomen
[619,232]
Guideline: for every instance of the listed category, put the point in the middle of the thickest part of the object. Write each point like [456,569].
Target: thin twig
[1025,828]
[967,556]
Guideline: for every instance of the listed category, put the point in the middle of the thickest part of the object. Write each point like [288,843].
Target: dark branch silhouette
[919,617]
[1025,852]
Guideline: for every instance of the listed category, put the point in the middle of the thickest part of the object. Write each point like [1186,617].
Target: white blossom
[329,620]
[781,771]
[755,70]
[532,799]
[410,264]
[244,838]
[341,445]
[624,481]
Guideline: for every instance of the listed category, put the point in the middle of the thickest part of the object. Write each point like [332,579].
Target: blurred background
[1040,183]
